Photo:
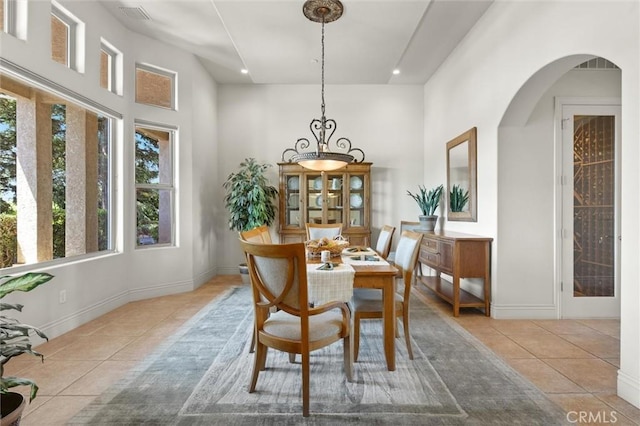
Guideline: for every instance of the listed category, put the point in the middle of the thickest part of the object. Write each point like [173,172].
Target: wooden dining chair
[259,234]
[383,245]
[279,279]
[315,231]
[367,303]
[406,225]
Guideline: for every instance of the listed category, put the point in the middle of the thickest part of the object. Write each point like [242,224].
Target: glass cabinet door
[314,185]
[356,200]
[293,206]
[334,198]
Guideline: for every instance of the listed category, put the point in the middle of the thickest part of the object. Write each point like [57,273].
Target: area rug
[200,376]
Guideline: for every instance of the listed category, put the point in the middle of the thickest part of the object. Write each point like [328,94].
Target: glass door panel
[314,186]
[593,206]
[590,245]
[356,200]
[294,202]
[334,198]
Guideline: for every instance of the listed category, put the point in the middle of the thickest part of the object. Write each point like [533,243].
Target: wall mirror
[461,178]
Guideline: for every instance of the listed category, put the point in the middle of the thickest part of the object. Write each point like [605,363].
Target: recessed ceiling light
[244,71]
[396,71]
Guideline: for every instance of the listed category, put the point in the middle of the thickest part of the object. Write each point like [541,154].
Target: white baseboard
[629,388]
[76,319]
[524,311]
[228,270]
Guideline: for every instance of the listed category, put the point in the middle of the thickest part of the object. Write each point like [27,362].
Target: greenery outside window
[55,176]
[155,191]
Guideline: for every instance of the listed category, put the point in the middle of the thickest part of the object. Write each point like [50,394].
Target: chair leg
[356,337]
[348,357]
[407,336]
[263,360]
[253,342]
[397,327]
[261,350]
[305,385]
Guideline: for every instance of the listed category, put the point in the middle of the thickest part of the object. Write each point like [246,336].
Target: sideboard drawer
[429,258]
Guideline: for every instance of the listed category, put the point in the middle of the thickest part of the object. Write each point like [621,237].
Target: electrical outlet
[63,296]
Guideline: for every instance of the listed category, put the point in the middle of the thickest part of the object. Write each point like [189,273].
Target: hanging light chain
[323,118]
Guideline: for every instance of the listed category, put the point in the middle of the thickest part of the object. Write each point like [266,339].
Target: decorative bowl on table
[335,246]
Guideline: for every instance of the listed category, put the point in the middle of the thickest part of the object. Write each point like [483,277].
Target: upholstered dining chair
[367,303]
[279,279]
[259,234]
[383,245]
[315,231]
[406,225]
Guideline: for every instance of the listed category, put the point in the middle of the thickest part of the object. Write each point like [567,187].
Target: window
[154,185]
[155,86]
[2,16]
[13,14]
[110,68]
[67,211]
[66,38]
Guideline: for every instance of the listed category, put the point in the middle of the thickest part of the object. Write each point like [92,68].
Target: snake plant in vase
[428,201]
[250,199]
[14,341]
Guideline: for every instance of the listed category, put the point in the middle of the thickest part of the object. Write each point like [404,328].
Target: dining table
[368,270]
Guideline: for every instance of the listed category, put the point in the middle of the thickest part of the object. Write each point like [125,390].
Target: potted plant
[250,199]
[428,201]
[14,341]
[458,198]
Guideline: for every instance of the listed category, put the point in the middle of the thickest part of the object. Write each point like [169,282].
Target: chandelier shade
[322,157]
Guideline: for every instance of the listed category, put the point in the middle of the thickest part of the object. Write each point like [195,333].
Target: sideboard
[458,256]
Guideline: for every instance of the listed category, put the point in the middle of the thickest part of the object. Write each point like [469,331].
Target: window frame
[115,119]
[173,77]
[74,35]
[114,77]
[15,14]
[171,187]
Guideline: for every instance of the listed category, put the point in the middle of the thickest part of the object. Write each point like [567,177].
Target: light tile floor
[574,362]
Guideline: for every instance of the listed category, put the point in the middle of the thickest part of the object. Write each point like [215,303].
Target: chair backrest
[315,231]
[406,225]
[278,276]
[383,245]
[407,257]
[258,234]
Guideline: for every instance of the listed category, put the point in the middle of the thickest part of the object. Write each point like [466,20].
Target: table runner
[330,285]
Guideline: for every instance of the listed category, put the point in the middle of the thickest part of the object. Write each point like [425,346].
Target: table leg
[389,319]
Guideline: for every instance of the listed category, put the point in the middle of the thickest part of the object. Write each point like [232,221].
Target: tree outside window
[154,186]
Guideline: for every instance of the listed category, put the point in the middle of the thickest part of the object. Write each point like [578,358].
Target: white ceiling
[279,45]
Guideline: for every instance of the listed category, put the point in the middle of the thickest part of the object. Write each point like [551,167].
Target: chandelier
[322,158]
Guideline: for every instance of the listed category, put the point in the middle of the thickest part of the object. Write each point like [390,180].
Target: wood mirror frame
[461,171]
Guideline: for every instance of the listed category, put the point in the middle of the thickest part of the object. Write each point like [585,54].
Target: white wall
[384,121]
[510,44]
[97,285]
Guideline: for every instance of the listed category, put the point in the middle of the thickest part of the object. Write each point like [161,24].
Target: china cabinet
[338,196]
